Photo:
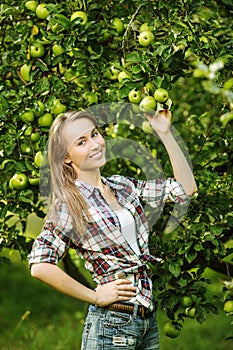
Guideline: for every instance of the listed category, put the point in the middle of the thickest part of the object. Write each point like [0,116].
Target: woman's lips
[97,154]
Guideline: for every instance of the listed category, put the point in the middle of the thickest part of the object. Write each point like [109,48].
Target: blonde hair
[63,188]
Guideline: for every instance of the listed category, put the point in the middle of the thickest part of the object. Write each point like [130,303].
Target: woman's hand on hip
[119,290]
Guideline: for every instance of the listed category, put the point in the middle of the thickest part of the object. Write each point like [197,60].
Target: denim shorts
[113,330]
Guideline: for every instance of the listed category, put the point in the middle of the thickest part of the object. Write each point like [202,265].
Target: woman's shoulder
[121,180]
[124,182]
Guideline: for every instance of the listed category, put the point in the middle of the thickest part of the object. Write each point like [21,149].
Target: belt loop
[135,310]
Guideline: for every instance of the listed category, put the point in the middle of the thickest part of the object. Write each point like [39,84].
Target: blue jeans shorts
[114,330]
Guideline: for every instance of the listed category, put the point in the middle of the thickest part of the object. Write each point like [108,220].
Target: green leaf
[190,256]
[175,268]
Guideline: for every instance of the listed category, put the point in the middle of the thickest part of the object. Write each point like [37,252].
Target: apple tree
[63,55]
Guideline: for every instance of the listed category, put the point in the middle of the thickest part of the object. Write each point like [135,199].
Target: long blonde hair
[63,188]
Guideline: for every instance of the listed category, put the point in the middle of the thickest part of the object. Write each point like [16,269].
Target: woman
[103,219]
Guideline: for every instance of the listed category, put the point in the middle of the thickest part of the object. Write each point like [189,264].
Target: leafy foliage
[191,56]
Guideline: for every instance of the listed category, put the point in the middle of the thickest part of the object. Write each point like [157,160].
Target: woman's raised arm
[160,122]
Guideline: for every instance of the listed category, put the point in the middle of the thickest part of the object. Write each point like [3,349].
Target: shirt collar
[87,189]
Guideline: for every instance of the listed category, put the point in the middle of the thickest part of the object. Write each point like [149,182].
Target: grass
[55,321]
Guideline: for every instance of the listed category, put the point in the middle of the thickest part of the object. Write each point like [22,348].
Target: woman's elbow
[190,191]
[37,270]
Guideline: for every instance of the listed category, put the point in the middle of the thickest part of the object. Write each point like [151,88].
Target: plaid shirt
[107,254]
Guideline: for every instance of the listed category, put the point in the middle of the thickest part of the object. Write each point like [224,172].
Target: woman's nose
[94,143]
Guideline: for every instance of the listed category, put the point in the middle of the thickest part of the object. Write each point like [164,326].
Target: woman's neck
[92,178]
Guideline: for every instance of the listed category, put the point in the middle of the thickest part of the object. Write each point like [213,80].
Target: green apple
[135,96]
[31,5]
[40,160]
[27,117]
[25,71]
[187,301]
[190,312]
[91,97]
[228,306]
[171,330]
[147,104]
[39,108]
[28,131]
[226,118]
[45,120]
[81,15]
[34,181]
[145,38]
[122,76]
[145,27]
[42,12]
[35,136]
[35,30]
[19,181]
[117,25]
[109,75]
[112,73]
[57,49]
[146,127]
[58,107]
[37,50]
[161,95]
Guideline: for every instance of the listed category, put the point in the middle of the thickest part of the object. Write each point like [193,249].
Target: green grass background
[55,321]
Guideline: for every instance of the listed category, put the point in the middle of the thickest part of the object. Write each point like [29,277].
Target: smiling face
[86,147]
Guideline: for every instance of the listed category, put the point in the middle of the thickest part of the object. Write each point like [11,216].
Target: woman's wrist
[165,136]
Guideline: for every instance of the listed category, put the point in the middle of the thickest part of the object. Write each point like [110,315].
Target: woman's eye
[95,134]
[82,142]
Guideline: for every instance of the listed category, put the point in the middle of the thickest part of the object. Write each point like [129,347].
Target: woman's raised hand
[161,121]
[119,290]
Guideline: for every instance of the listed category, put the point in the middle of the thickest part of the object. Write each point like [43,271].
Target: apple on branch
[122,76]
[58,107]
[82,16]
[37,50]
[135,96]
[31,5]
[45,120]
[25,71]
[145,38]
[27,116]
[57,50]
[18,182]
[117,25]
[42,12]
[40,160]
[148,104]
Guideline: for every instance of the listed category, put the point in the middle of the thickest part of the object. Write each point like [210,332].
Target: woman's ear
[67,160]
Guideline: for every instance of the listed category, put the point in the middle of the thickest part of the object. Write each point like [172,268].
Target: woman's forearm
[61,281]
[118,290]
[181,168]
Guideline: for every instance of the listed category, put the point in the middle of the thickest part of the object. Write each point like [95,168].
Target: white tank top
[128,230]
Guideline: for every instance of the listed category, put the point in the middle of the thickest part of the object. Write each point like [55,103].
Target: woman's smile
[98,154]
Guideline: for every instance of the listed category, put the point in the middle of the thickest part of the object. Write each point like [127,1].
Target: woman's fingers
[125,285]
[111,292]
